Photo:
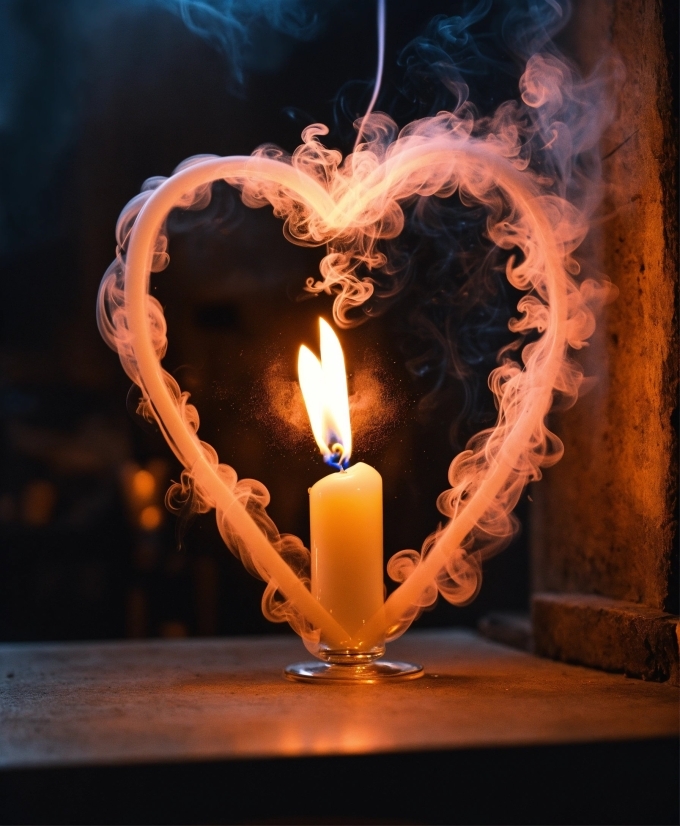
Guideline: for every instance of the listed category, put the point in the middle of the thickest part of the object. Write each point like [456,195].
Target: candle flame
[324,389]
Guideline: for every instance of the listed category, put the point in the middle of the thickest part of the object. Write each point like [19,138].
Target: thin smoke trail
[379,70]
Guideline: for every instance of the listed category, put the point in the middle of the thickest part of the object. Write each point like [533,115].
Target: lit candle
[347,545]
[345,507]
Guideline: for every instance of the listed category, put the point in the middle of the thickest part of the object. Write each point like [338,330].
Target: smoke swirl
[533,167]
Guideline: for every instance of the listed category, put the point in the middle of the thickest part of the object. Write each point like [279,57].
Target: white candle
[345,507]
[347,545]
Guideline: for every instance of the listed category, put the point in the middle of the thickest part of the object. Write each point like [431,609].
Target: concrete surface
[135,702]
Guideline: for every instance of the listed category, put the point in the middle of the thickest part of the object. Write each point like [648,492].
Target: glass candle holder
[352,666]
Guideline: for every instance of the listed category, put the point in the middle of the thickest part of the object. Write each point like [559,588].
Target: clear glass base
[349,672]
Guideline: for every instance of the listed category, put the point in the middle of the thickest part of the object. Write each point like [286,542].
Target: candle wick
[337,457]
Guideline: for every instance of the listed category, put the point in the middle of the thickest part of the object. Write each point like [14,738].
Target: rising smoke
[44,47]
[532,165]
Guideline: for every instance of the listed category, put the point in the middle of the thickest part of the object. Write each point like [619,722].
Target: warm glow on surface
[324,389]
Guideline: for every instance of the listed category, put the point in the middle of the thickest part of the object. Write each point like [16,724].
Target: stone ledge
[606,633]
[208,731]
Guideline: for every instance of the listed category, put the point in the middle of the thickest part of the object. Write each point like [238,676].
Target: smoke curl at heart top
[534,166]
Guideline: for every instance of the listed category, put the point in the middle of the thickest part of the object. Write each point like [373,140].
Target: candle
[347,545]
[346,506]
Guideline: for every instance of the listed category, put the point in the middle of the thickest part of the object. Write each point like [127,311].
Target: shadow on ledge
[601,783]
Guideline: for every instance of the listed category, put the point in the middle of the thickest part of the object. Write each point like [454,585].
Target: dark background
[92,105]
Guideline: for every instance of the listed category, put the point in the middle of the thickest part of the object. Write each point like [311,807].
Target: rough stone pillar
[604,529]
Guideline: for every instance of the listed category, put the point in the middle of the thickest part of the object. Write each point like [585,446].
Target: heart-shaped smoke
[519,164]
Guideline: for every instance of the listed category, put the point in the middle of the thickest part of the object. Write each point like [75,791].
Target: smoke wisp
[532,165]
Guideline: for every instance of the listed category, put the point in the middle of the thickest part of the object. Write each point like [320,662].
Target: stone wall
[604,518]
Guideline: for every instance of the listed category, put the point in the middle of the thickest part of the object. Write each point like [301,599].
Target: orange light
[150,518]
[143,484]
[324,389]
